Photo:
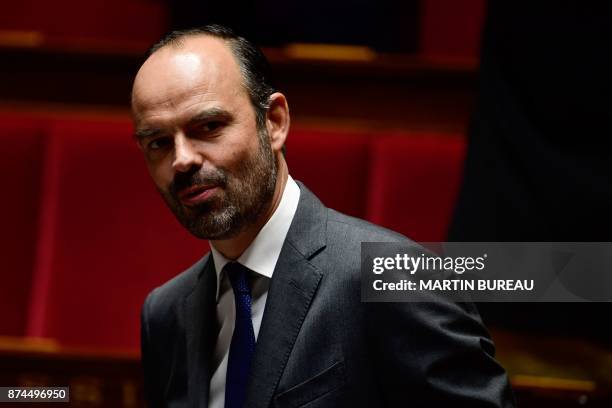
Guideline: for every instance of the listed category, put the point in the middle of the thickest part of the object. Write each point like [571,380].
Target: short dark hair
[253,64]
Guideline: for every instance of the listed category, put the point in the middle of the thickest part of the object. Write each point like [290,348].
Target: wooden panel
[95,378]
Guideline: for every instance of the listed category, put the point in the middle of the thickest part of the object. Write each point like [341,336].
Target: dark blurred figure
[538,166]
[384,25]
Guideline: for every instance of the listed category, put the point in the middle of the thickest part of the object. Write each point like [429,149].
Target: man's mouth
[195,195]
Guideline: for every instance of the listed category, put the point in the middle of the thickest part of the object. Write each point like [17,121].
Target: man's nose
[186,155]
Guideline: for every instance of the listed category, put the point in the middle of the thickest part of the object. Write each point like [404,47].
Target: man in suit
[273,315]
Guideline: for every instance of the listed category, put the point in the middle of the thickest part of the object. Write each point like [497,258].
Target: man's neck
[234,247]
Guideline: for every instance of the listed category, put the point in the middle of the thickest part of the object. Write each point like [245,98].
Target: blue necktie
[242,346]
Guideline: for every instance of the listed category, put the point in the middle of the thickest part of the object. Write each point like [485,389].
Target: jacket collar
[292,289]
[201,331]
[309,227]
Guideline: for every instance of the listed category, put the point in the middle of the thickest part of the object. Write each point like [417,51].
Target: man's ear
[277,121]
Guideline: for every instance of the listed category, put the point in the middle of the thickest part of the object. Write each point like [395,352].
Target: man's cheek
[163,184]
[160,171]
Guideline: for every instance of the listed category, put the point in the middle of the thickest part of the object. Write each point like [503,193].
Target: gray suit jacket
[319,345]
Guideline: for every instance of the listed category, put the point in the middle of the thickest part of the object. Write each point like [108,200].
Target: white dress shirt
[260,257]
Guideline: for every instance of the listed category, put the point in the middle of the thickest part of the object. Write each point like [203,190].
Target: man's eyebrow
[144,133]
[211,114]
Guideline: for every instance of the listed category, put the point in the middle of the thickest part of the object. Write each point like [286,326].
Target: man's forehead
[195,63]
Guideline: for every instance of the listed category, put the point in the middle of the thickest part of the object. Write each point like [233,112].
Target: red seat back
[21,148]
[414,184]
[334,165]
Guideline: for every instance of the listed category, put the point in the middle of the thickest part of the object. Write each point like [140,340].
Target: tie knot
[238,275]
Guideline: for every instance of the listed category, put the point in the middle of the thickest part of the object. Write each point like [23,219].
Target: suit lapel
[201,334]
[292,289]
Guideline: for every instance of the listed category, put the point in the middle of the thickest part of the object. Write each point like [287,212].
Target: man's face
[196,127]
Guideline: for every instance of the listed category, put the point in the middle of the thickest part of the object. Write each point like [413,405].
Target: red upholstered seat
[414,183]
[21,148]
[334,165]
[94,20]
[451,29]
[107,238]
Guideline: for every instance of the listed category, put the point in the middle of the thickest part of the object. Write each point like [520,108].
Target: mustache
[196,177]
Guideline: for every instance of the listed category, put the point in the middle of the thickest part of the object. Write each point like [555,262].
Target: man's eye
[211,126]
[159,143]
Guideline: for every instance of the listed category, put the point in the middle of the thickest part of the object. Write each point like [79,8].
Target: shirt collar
[262,254]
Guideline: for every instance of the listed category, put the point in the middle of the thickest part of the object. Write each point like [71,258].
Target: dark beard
[245,195]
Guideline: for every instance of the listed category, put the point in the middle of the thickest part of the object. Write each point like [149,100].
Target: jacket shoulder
[361,230]
[163,299]
[344,236]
